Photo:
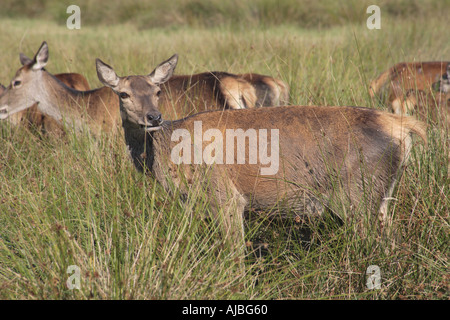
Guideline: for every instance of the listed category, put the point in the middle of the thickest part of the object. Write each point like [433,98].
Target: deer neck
[61,102]
[139,144]
[147,149]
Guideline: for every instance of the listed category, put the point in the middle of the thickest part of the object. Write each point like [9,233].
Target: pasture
[78,200]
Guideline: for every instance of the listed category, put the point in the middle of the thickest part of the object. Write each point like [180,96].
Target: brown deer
[94,109]
[32,116]
[182,96]
[270,92]
[425,76]
[319,156]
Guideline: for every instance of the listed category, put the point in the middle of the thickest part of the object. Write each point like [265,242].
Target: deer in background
[95,109]
[270,92]
[183,95]
[42,98]
[429,77]
[32,116]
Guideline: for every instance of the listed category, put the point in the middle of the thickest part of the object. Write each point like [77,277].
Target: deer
[425,76]
[183,95]
[96,110]
[364,149]
[32,116]
[33,91]
[270,91]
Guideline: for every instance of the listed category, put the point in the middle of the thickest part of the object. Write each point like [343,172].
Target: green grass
[76,201]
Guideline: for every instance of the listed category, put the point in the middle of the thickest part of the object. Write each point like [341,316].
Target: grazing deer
[270,92]
[183,95]
[324,154]
[97,109]
[425,76]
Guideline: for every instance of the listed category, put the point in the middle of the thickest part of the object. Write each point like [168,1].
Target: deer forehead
[24,72]
[138,85]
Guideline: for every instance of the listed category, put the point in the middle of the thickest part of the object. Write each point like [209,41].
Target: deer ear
[164,71]
[106,74]
[41,57]
[24,60]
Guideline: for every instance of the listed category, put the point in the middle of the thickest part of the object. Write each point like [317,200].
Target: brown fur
[74,80]
[94,109]
[270,91]
[180,96]
[183,95]
[326,154]
[34,117]
[321,148]
[412,75]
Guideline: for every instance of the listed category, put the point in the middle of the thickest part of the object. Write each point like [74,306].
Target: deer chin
[151,128]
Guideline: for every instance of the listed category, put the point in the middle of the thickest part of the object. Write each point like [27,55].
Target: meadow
[74,200]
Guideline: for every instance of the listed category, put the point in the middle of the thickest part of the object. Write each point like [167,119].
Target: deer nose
[154,118]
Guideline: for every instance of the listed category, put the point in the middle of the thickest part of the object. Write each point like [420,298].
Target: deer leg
[386,219]
[228,210]
[231,212]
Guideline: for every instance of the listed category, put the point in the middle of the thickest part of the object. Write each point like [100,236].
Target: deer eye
[124,95]
[158,93]
[17,83]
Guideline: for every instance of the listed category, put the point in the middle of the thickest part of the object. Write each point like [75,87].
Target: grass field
[75,201]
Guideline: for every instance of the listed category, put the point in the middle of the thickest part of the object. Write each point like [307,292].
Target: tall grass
[79,201]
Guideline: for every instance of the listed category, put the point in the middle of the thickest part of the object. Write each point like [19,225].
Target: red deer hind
[429,77]
[312,147]
[95,109]
[45,100]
